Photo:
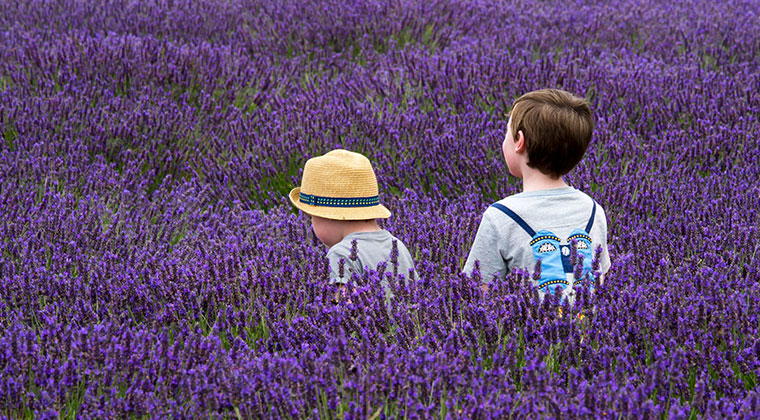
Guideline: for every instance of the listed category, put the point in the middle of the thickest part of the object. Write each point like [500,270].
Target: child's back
[502,243]
[360,250]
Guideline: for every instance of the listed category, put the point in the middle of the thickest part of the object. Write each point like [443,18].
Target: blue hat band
[314,200]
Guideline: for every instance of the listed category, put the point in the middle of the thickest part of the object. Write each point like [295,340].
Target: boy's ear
[519,142]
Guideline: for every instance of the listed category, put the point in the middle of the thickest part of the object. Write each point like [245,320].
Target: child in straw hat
[339,191]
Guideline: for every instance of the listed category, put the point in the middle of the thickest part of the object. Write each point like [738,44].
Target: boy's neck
[534,180]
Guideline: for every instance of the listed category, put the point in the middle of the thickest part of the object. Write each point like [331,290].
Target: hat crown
[339,174]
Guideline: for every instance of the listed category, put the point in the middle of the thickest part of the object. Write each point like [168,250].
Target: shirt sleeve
[485,248]
[604,263]
[334,256]
[406,256]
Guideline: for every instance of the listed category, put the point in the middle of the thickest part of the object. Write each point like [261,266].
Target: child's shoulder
[545,206]
[543,198]
[366,240]
[342,248]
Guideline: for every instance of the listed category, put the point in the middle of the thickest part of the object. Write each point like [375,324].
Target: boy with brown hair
[339,191]
[548,133]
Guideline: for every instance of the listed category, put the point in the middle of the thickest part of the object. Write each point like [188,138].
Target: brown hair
[557,127]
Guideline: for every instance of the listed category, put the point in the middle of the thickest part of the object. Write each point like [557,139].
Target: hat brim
[339,213]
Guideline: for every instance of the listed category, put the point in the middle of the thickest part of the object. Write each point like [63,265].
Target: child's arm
[604,257]
[485,248]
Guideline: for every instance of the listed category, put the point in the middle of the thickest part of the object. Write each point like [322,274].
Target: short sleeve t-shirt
[372,249]
[502,245]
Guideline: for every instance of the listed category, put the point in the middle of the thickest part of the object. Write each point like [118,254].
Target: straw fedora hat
[339,185]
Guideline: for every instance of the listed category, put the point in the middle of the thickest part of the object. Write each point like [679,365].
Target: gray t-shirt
[372,249]
[502,245]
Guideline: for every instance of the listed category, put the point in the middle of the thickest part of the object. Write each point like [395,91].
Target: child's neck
[534,180]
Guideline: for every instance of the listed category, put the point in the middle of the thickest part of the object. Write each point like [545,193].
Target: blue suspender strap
[591,219]
[516,218]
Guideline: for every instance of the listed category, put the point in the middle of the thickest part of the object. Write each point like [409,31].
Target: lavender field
[151,265]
